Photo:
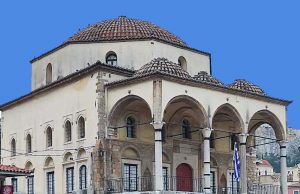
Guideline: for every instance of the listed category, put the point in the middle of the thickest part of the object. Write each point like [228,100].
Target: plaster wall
[130,55]
[52,109]
[245,106]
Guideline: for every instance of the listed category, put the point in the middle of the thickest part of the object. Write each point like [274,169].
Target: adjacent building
[124,106]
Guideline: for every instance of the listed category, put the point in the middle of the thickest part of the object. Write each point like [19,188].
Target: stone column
[243,162]
[158,156]
[206,159]
[283,173]
[157,125]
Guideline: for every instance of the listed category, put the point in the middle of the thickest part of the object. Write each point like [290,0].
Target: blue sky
[255,40]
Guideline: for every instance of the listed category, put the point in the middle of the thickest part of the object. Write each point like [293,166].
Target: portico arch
[181,111]
[136,110]
[226,121]
[267,117]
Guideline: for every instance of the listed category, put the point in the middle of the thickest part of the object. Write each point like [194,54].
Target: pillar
[243,163]
[206,159]
[158,156]
[283,172]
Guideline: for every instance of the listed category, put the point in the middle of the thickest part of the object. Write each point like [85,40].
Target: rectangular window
[14,183]
[130,177]
[296,192]
[70,179]
[30,185]
[165,179]
[50,182]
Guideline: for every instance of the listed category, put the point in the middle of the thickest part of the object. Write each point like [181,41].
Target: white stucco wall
[132,55]
[52,109]
[245,106]
[214,99]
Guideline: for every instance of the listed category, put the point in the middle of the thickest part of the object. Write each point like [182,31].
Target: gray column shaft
[283,173]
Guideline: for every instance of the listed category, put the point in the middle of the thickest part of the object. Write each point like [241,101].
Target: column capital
[283,143]
[243,138]
[206,132]
[157,125]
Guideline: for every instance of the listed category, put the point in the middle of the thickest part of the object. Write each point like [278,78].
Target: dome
[162,65]
[123,28]
[246,87]
[203,76]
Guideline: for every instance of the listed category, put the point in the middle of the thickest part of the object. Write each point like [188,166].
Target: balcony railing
[147,184]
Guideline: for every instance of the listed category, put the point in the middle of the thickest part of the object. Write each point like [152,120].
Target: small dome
[123,28]
[203,76]
[162,65]
[246,87]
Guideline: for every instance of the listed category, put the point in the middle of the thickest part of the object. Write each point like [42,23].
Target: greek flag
[236,163]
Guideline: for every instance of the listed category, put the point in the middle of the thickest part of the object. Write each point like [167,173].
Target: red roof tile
[14,169]
[123,28]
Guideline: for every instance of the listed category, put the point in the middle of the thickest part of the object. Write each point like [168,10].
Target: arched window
[186,129]
[28,144]
[111,58]
[68,131]
[81,128]
[82,177]
[49,137]
[182,62]
[13,147]
[131,127]
[49,74]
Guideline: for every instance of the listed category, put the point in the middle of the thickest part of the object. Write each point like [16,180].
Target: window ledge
[68,143]
[49,148]
[81,139]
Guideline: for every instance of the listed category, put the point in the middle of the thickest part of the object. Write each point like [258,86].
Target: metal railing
[120,185]
[225,190]
[263,189]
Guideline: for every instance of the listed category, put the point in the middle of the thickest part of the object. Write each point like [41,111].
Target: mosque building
[126,106]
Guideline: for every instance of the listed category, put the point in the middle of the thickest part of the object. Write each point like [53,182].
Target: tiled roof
[246,86]
[162,65]
[266,163]
[203,76]
[123,28]
[13,169]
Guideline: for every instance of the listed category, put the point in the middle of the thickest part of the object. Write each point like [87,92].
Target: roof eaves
[68,79]
[205,85]
[124,40]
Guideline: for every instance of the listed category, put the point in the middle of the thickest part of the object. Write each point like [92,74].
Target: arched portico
[228,126]
[266,117]
[184,108]
[136,110]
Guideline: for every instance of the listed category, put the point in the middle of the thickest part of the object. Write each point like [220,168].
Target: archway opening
[227,124]
[184,117]
[131,118]
[265,133]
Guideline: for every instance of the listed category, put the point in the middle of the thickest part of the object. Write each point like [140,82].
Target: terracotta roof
[162,65]
[13,169]
[123,28]
[241,84]
[203,76]
[266,163]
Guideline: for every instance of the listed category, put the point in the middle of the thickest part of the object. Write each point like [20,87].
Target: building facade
[125,106]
